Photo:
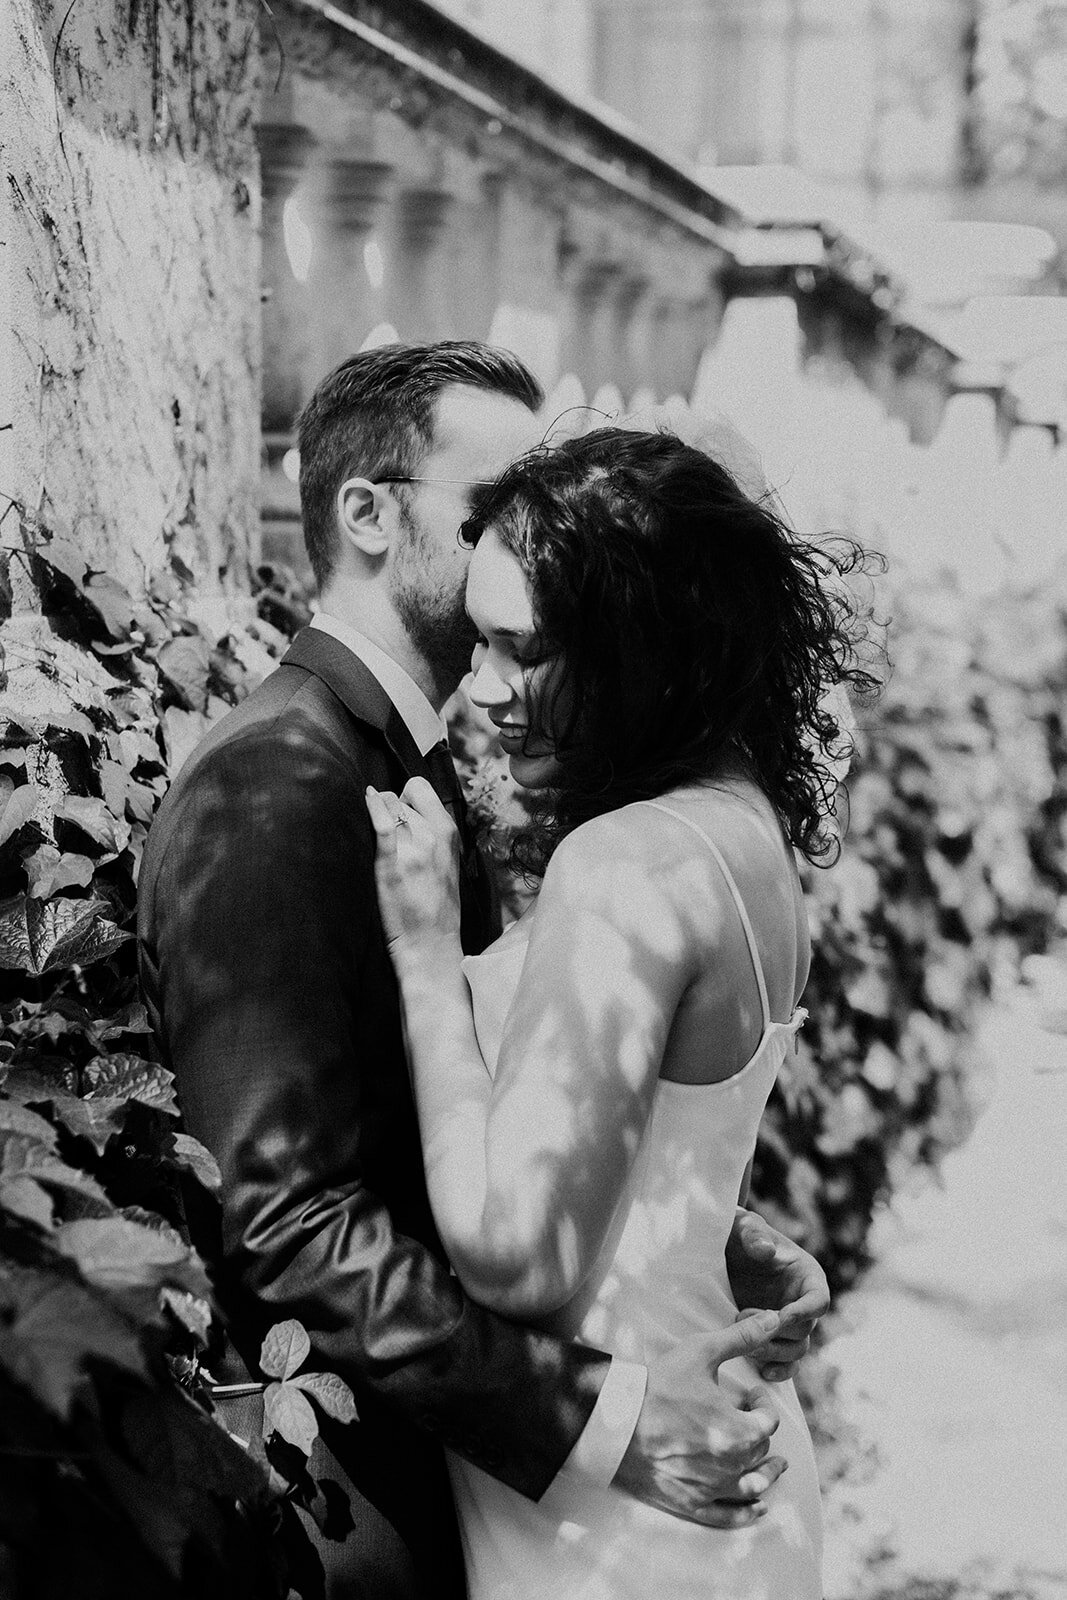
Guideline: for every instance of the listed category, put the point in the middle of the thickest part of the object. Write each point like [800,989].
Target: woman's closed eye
[478,654]
[524,650]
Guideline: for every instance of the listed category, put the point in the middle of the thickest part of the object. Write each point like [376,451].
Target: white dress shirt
[602,1444]
[424,724]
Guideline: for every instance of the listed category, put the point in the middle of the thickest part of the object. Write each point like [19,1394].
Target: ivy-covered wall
[129,440]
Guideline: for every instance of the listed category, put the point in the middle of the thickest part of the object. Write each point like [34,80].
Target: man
[269,985]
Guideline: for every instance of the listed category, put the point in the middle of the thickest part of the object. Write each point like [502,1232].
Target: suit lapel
[358,689]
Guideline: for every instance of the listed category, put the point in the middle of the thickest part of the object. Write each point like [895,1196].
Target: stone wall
[129,369]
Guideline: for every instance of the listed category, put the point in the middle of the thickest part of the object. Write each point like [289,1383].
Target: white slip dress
[660,1279]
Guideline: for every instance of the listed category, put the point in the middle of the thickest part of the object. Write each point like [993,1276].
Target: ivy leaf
[191,1310]
[131,1019]
[92,816]
[125,1077]
[26,1199]
[114,784]
[331,1393]
[138,840]
[185,662]
[153,1220]
[95,1120]
[847,1118]
[870,992]
[142,802]
[16,806]
[182,732]
[71,722]
[57,1329]
[15,1118]
[26,1158]
[51,1024]
[126,648]
[36,936]
[196,1158]
[288,1412]
[285,1348]
[135,746]
[66,558]
[112,1253]
[111,602]
[48,871]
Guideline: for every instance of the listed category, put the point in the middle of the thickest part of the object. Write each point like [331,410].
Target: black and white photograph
[533,800]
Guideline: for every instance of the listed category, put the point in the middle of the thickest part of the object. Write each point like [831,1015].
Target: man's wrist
[606,1437]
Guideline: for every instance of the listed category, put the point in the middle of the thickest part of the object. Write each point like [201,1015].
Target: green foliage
[965,1588]
[105,1309]
[1021,71]
[286,1410]
[952,871]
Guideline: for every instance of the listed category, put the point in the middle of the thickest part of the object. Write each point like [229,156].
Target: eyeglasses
[469,482]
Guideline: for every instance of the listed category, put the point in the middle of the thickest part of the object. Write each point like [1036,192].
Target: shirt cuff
[603,1441]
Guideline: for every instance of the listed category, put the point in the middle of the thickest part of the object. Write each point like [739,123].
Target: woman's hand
[417,865]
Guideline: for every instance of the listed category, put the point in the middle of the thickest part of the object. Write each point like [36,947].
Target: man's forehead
[484,428]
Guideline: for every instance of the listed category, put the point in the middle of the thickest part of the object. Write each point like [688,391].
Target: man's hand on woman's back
[694,1452]
[767,1271]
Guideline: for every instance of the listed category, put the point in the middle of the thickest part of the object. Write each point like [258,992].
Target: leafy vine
[106,1310]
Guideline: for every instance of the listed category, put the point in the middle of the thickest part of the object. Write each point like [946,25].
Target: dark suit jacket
[267,980]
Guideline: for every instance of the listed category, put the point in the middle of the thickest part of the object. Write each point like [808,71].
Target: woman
[654,651]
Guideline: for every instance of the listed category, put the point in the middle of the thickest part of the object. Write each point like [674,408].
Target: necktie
[442,774]
[478,897]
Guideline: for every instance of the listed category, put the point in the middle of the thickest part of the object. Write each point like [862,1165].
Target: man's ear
[363,514]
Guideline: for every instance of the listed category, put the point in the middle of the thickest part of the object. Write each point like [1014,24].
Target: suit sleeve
[263,950]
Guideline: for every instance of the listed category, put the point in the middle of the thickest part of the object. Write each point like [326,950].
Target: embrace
[500,1177]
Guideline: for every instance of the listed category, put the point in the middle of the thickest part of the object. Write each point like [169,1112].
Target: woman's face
[511,672]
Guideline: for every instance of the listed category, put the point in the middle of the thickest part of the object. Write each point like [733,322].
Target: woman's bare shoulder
[647,852]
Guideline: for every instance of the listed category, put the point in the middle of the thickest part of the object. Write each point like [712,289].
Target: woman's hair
[698,636]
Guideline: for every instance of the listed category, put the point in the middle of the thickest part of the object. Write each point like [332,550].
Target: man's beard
[433,613]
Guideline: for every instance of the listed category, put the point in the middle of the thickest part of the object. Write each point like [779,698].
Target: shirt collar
[423,723]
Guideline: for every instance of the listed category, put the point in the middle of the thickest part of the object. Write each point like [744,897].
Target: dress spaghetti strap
[735,893]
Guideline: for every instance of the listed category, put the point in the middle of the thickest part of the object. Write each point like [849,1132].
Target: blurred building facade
[869,100]
[901,110]
[423,180]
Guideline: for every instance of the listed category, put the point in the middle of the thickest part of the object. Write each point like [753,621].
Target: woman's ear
[363,515]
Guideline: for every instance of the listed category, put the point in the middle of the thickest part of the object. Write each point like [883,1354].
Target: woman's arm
[525,1172]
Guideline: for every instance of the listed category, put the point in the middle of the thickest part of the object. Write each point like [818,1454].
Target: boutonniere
[484,785]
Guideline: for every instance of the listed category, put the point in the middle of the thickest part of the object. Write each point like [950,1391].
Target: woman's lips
[510,734]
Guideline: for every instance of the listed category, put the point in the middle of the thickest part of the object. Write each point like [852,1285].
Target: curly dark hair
[697,633]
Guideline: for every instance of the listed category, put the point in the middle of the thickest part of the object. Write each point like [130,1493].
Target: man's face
[475,436]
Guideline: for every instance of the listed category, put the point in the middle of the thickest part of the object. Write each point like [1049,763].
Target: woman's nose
[488,688]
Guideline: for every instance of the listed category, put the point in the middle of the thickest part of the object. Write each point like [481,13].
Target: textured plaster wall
[129,279]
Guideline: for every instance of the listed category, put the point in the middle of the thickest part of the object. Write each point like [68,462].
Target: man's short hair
[373,417]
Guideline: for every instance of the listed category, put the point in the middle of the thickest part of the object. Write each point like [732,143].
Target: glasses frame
[470,483]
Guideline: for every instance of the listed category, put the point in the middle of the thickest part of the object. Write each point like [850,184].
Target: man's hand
[768,1271]
[694,1453]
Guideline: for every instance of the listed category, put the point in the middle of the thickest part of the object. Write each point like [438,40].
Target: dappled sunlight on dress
[660,1279]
